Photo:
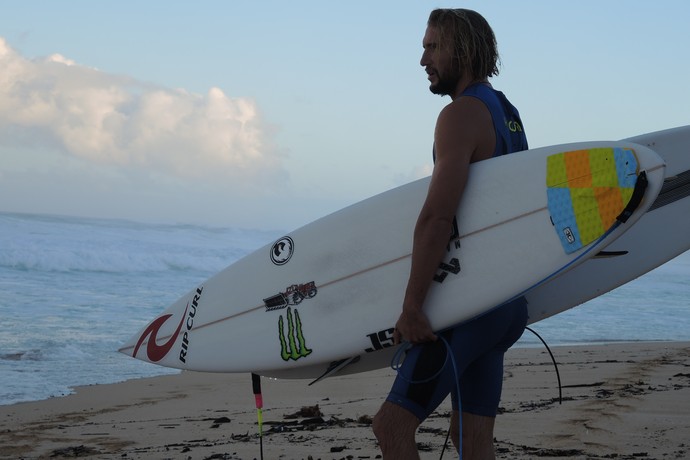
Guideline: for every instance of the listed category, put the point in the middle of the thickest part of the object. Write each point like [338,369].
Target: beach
[619,400]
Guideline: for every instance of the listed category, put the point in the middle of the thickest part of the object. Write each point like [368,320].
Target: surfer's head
[458,43]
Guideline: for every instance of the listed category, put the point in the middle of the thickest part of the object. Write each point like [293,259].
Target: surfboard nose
[127,347]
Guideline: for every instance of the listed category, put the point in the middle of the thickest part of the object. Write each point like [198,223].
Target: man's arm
[460,138]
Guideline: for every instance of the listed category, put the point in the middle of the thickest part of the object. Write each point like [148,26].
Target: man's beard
[446,83]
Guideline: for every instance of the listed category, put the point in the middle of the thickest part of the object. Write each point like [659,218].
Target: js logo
[292,346]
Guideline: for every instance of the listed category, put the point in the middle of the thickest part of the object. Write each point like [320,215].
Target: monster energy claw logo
[292,347]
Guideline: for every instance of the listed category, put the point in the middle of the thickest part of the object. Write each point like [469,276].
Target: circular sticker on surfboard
[282,250]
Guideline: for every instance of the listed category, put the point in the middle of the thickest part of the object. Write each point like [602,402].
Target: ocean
[72,290]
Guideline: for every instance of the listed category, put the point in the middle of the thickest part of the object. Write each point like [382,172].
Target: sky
[270,114]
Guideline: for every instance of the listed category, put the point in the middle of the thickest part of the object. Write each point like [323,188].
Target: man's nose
[424,61]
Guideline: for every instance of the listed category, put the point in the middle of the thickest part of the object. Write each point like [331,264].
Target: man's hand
[413,326]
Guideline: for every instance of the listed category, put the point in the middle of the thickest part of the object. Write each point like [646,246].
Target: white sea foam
[73,290]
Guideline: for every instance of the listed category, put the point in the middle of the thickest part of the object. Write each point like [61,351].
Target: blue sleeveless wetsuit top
[510,135]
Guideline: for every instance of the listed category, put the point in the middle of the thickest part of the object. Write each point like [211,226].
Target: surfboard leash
[396,365]
[258,398]
[555,364]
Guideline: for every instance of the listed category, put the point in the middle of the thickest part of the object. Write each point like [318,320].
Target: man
[460,54]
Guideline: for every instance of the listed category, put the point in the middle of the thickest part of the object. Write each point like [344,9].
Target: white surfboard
[331,289]
[660,235]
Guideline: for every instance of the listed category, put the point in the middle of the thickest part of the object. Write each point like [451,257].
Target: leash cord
[555,364]
[396,365]
[256,387]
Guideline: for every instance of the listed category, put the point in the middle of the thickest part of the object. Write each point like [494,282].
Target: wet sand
[623,401]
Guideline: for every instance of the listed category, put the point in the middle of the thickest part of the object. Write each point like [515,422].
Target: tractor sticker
[293,295]
[292,344]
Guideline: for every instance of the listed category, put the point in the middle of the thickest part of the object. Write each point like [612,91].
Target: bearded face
[446,80]
[441,66]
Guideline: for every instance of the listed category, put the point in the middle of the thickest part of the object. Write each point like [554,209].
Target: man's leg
[423,382]
[477,436]
[482,379]
[395,429]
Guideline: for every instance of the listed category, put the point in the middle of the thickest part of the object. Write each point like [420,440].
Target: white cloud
[116,120]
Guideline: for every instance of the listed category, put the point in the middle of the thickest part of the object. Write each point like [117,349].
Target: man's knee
[384,421]
[378,424]
[392,422]
[394,428]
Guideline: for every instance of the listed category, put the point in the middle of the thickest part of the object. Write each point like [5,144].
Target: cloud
[116,120]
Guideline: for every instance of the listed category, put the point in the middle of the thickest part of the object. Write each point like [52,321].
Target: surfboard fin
[335,367]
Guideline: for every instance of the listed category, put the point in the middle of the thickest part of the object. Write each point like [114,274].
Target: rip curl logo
[293,346]
[155,352]
[190,324]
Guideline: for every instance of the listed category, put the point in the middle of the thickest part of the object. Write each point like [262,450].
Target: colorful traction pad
[587,190]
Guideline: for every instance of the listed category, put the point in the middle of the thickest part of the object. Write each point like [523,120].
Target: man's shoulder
[466,109]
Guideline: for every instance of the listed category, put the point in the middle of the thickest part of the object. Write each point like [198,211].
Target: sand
[622,401]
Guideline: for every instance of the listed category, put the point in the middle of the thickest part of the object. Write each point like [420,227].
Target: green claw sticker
[293,347]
